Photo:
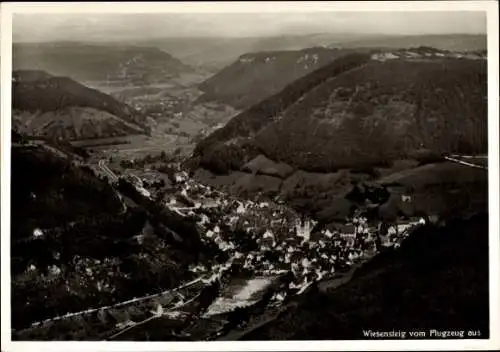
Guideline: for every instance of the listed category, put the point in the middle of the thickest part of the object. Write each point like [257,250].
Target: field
[136,147]
[175,119]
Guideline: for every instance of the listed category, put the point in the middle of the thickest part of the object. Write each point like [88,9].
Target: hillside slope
[255,76]
[77,243]
[49,191]
[93,62]
[361,110]
[59,107]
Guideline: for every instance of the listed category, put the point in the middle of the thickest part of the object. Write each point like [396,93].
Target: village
[274,256]
[266,239]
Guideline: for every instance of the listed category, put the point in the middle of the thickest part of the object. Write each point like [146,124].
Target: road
[107,171]
[197,281]
[465,163]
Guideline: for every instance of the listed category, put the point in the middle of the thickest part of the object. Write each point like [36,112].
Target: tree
[163,156]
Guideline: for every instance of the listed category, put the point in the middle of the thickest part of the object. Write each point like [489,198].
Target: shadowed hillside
[248,123]
[59,107]
[384,111]
[77,244]
[361,110]
[50,191]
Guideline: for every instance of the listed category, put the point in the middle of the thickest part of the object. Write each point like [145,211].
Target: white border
[248,6]
[491,7]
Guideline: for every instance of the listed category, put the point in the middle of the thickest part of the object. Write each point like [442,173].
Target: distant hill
[255,76]
[271,63]
[61,108]
[362,110]
[451,42]
[116,64]
[218,52]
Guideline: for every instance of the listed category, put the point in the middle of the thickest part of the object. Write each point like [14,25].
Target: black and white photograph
[236,171]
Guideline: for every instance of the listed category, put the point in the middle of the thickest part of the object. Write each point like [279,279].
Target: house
[348,233]
[37,233]
[347,230]
[303,230]
[405,198]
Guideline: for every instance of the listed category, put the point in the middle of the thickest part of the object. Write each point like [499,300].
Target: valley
[256,238]
[263,191]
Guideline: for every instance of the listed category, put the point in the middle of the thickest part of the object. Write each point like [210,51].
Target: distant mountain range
[116,64]
[61,108]
[157,60]
[450,42]
[254,76]
[220,52]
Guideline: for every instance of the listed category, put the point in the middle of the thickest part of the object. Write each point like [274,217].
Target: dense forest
[74,245]
[357,112]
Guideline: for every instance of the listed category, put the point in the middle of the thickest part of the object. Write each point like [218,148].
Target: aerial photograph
[249,176]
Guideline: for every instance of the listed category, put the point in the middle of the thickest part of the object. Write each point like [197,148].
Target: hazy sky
[48,27]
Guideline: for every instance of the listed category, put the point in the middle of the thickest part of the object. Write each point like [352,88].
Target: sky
[110,27]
